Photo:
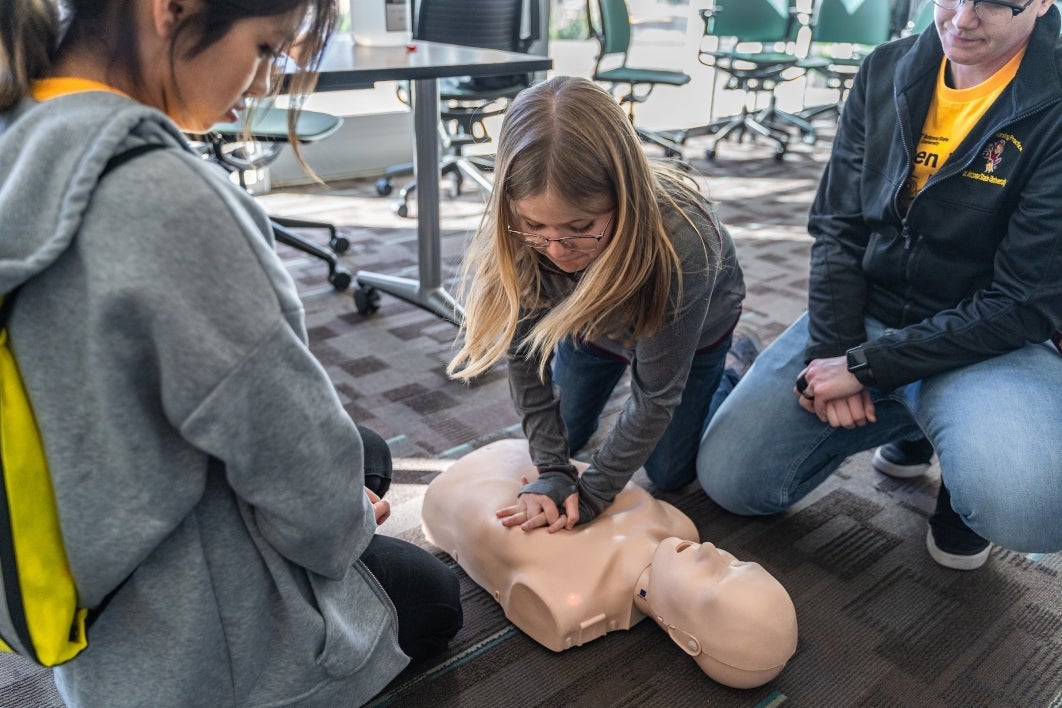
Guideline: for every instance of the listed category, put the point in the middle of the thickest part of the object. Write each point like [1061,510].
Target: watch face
[857,359]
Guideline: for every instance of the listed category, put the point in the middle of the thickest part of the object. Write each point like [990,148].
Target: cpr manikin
[639,558]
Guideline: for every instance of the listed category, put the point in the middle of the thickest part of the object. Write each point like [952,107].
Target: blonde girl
[590,260]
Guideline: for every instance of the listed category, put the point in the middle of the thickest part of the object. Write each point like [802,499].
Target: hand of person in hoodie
[381,507]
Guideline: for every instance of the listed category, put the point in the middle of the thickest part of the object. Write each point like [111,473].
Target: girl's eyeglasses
[579,243]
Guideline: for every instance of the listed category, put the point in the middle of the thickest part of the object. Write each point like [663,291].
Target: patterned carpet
[880,623]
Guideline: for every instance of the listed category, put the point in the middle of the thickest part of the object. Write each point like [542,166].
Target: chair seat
[271,125]
[461,88]
[630,75]
[764,66]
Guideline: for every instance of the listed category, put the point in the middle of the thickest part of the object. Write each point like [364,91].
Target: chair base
[747,123]
[338,276]
[827,110]
[337,243]
[459,166]
[669,140]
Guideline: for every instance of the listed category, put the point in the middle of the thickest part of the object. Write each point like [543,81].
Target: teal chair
[610,25]
[842,33]
[748,41]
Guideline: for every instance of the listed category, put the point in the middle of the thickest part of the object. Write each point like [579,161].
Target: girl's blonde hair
[569,137]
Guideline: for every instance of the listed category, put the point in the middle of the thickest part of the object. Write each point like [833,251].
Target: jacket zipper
[378,586]
[941,175]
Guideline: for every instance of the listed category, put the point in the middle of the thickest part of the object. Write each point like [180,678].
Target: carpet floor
[880,623]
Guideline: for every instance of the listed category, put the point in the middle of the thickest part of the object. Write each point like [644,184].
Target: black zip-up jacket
[974,268]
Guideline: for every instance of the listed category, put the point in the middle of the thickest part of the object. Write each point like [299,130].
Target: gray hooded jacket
[157,327]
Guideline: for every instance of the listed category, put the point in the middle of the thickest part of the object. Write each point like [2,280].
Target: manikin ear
[687,642]
[167,15]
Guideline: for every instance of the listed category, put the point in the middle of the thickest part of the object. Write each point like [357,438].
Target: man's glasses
[577,242]
[991,12]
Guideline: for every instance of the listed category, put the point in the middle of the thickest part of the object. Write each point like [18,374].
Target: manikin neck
[641,593]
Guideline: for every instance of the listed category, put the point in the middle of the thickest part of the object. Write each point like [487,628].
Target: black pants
[423,589]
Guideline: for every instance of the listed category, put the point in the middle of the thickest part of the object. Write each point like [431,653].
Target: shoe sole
[953,561]
[892,469]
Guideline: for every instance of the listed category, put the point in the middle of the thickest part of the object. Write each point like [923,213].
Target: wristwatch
[859,367]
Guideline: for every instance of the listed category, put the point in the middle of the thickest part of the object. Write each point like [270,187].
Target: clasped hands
[829,390]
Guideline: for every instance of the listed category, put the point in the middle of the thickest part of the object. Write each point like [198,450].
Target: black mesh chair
[227,143]
[610,25]
[466,102]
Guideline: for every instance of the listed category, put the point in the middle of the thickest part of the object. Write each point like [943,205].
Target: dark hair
[29,34]
[31,40]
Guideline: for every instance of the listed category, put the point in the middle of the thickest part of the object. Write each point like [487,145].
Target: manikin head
[735,620]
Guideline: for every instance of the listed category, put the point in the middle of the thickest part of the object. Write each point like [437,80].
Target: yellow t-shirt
[44,89]
[952,114]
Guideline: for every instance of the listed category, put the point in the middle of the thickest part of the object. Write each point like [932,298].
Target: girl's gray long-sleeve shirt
[708,307]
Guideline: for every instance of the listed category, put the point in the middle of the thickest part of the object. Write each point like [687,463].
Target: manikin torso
[567,588]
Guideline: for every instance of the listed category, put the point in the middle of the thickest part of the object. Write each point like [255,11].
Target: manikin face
[213,85]
[733,617]
[976,49]
[551,218]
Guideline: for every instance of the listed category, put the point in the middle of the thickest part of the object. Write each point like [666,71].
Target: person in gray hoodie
[209,484]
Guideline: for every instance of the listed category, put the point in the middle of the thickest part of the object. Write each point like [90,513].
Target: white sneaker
[953,560]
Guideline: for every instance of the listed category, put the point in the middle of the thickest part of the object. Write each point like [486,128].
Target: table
[347,65]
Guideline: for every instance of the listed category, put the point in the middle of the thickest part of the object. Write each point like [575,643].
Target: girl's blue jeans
[587,376]
[996,427]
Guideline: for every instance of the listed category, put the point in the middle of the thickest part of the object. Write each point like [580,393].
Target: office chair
[227,144]
[611,27]
[769,26]
[840,38]
[466,102]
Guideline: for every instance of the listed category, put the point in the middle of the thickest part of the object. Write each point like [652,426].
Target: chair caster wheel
[366,299]
[401,209]
[779,156]
[383,186]
[709,154]
[339,244]
[340,278]
[669,153]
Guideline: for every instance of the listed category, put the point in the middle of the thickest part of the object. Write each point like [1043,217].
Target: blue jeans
[586,377]
[995,426]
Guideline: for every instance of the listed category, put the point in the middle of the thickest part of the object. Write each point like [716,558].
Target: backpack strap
[8,304]
[124,157]
[115,162]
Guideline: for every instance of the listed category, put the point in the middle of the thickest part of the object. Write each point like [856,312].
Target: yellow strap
[56,624]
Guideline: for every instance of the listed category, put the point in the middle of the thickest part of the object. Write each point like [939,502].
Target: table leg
[427,292]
